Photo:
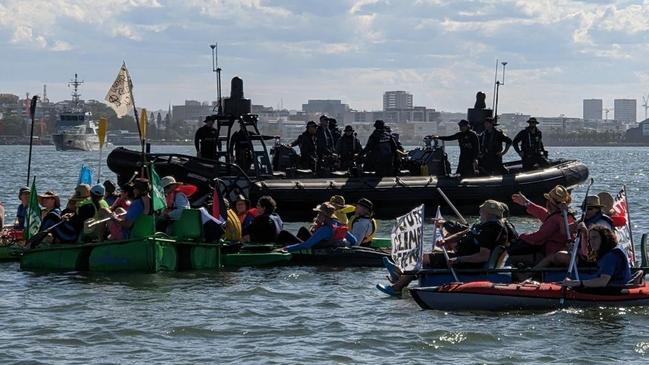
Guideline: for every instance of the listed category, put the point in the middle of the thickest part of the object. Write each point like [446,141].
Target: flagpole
[32,112]
[628,217]
[137,119]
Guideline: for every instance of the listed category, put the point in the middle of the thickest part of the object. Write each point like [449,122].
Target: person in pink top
[551,237]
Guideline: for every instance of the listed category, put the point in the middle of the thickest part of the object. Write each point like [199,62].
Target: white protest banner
[408,240]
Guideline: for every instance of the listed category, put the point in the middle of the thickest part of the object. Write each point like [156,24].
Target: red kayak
[488,296]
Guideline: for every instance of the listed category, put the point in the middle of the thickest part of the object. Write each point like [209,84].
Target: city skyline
[443,52]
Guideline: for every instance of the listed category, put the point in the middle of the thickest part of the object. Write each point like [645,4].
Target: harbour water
[296,314]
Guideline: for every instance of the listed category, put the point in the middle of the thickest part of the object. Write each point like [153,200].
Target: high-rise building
[332,108]
[593,109]
[625,110]
[397,100]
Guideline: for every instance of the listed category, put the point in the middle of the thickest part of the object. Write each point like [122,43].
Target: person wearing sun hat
[342,209]
[329,232]
[528,143]
[362,225]
[551,235]
[594,213]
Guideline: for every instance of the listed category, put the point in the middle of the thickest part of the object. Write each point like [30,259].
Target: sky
[287,51]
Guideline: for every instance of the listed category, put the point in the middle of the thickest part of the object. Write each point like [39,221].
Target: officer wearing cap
[205,139]
[348,147]
[469,149]
[528,143]
[381,151]
[490,160]
[324,138]
[308,149]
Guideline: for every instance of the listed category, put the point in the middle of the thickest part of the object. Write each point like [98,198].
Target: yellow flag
[101,131]
[144,120]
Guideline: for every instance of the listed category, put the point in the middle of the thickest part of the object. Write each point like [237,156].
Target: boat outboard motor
[430,160]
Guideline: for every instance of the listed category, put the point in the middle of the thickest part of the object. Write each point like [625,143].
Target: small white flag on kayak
[119,95]
[408,240]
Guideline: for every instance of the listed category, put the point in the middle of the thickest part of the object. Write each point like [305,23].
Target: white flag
[408,240]
[119,96]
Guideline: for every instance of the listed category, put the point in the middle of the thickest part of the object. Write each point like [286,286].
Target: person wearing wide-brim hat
[176,200]
[469,149]
[607,201]
[49,200]
[51,213]
[328,232]
[362,224]
[528,143]
[205,139]
[342,208]
[490,159]
[551,236]
[594,213]
[348,148]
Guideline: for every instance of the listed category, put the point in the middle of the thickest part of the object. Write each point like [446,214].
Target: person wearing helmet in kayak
[532,247]
[468,249]
[613,269]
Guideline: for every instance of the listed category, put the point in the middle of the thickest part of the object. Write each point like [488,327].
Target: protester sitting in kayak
[267,225]
[140,206]
[124,199]
[329,232]
[594,214]
[551,237]
[615,211]
[21,213]
[342,209]
[176,201]
[362,225]
[111,195]
[233,231]
[244,212]
[51,212]
[470,248]
[612,262]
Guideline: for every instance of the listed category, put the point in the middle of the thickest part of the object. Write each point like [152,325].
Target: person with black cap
[110,196]
[21,213]
[531,147]
[361,224]
[206,138]
[335,131]
[469,149]
[348,147]
[324,138]
[490,160]
[308,150]
[380,151]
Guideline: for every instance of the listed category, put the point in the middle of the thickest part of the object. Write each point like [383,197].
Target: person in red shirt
[551,237]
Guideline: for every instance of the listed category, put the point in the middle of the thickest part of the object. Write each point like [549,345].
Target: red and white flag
[622,225]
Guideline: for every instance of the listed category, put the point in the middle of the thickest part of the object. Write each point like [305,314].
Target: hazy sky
[443,51]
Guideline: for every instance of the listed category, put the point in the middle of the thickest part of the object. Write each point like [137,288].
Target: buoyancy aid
[368,238]
[337,238]
[186,189]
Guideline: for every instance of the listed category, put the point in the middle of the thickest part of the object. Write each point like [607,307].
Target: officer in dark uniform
[491,139]
[469,149]
[348,147]
[335,131]
[308,149]
[532,150]
[324,139]
[206,138]
[242,146]
[381,151]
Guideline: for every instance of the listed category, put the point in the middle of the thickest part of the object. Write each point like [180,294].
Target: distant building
[625,110]
[593,109]
[397,100]
[191,111]
[332,108]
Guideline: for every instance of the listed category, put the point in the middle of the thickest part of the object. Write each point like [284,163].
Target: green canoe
[382,242]
[151,254]
[10,252]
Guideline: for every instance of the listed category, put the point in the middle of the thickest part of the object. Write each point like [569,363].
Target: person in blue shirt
[328,232]
[21,213]
[141,205]
[612,262]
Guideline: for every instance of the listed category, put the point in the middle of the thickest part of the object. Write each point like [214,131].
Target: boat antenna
[497,86]
[217,70]
[75,93]
[493,96]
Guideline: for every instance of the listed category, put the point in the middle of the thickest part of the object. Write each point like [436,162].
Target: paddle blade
[101,131]
[144,120]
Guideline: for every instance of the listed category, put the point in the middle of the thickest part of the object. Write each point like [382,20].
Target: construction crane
[645,105]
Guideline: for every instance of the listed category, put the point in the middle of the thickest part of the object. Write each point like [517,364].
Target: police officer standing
[347,148]
[491,139]
[324,139]
[381,151]
[308,149]
[205,139]
[469,149]
[335,131]
[531,150]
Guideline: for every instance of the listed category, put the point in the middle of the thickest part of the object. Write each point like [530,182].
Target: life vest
[368,238]
[337,238]
[232,226]
[186,189]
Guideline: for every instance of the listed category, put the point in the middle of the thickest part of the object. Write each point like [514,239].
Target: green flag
[33,217]
[158,196]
